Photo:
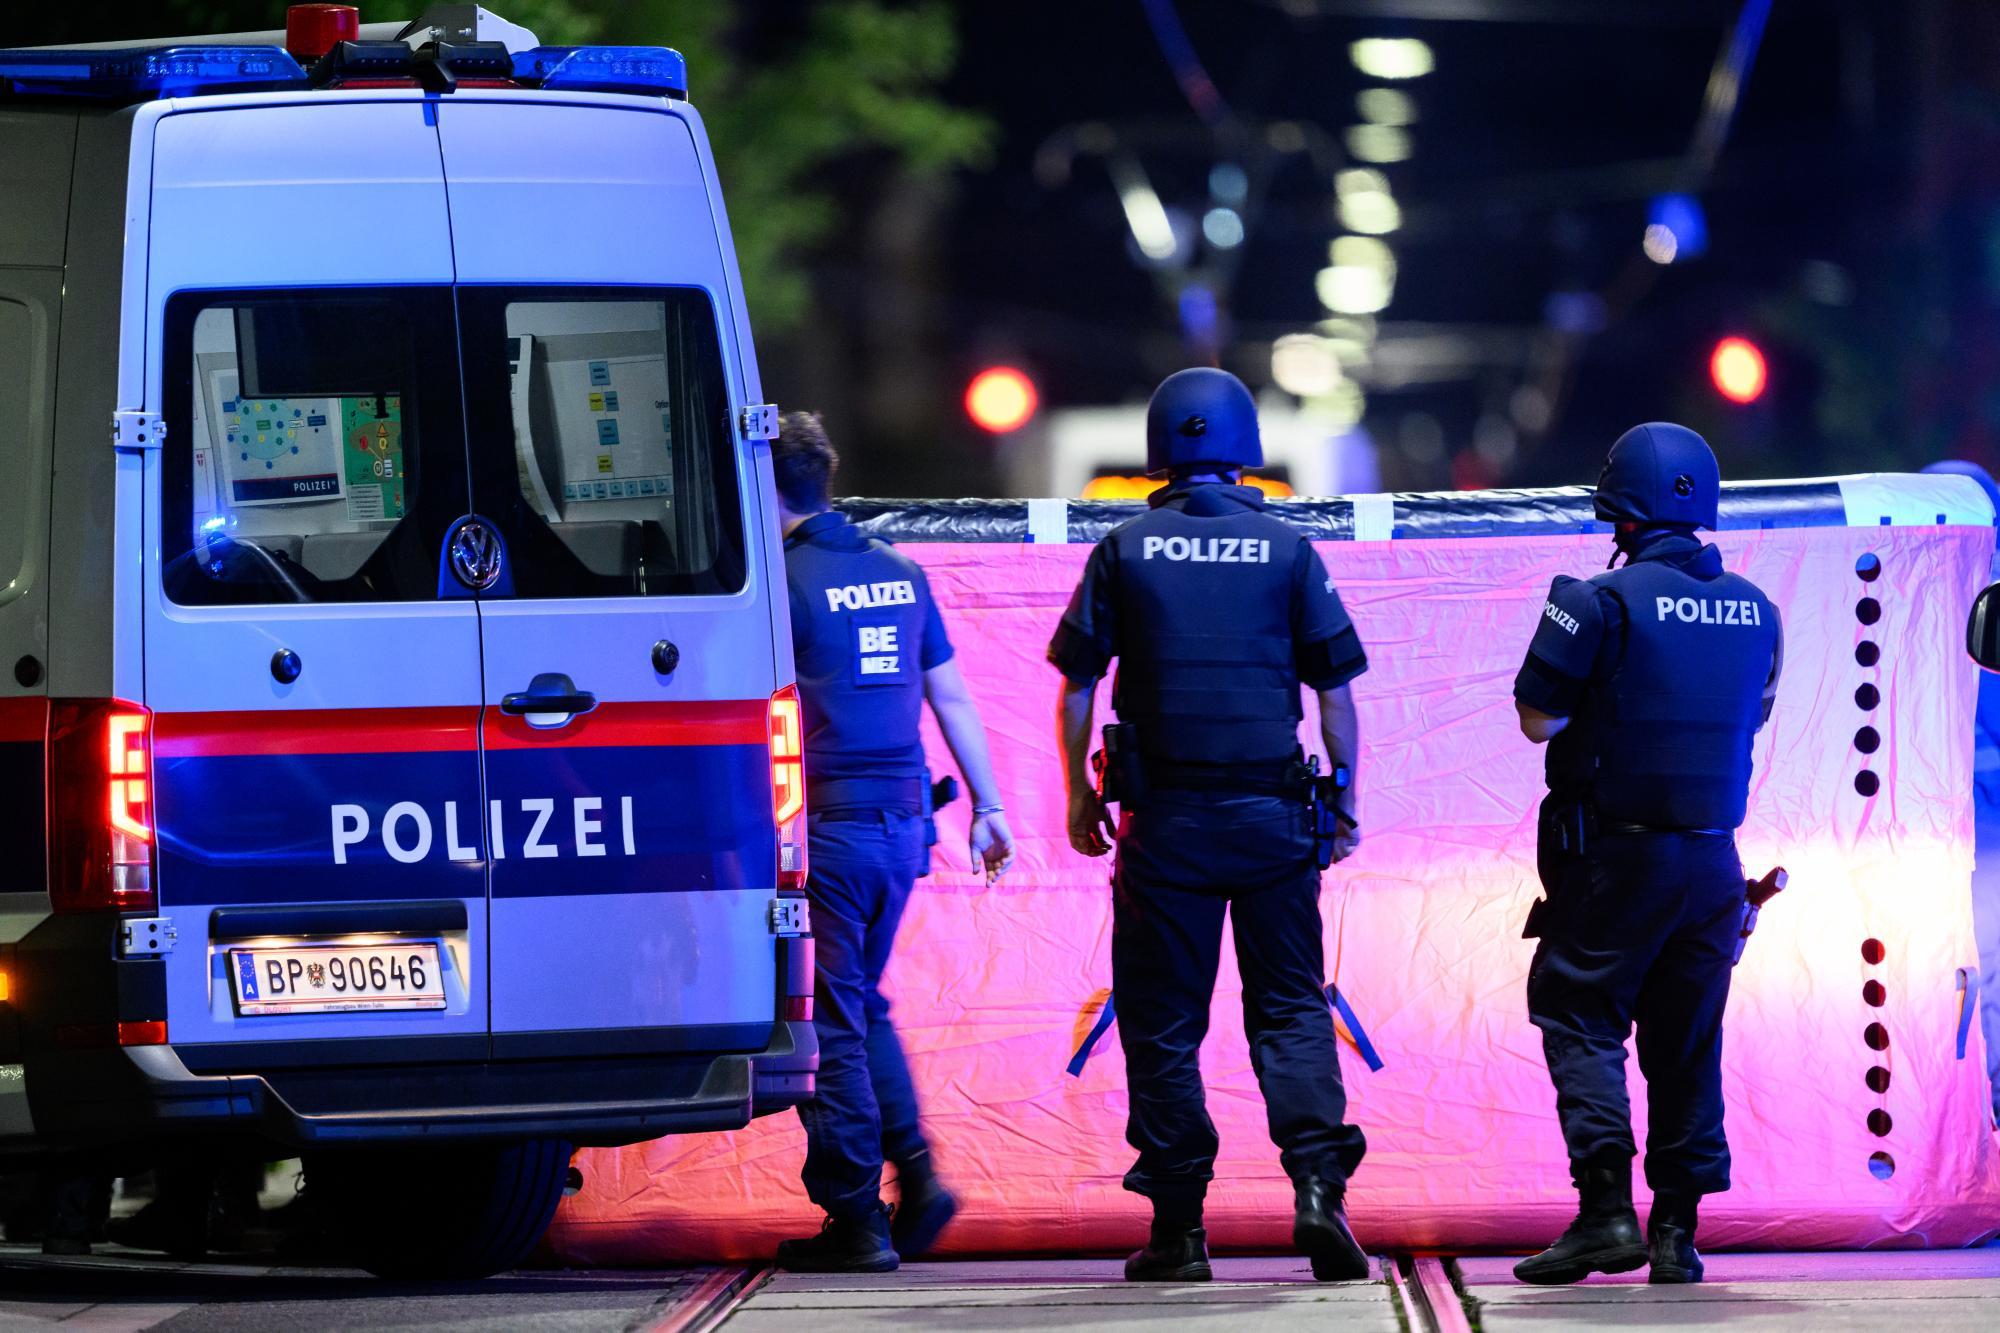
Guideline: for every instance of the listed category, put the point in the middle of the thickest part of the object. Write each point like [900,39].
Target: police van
[401,758]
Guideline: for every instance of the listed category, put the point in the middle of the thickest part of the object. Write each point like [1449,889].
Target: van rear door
[628,650]
[314,680]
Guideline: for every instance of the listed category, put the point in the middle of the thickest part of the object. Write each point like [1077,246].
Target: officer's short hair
[804,461]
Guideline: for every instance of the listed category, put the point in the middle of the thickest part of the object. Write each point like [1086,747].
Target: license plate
[337,978]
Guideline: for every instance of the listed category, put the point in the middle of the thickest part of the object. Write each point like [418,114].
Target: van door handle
[550,700]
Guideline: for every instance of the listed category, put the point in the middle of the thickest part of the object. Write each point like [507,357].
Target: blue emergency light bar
[609,69]
[141,73]
[136,73]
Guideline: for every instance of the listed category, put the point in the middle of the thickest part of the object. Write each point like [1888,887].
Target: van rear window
[321,444]
[315,447]
[604,416]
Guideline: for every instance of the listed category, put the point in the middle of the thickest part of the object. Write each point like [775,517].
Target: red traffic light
[1001,399]
[1738,369]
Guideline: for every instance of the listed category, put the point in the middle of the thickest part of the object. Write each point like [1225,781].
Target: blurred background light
[1303,364]
[1377,143]
[1365,203]
[1386,106]
[1223,227]
[1738,370]
[1392,57]
[1227,183]
[1659,243]
[1001,399]
[1681,226]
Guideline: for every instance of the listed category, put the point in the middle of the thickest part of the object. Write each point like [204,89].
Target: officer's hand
[1090,826]
[1346,844]
[992,845]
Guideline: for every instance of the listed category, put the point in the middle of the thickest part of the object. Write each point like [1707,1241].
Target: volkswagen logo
[475,553]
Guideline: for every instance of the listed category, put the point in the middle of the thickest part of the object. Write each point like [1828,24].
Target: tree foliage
[831,80]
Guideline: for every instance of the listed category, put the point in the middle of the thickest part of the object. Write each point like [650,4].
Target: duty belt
[1273,779]
[1614,826]
[903,794]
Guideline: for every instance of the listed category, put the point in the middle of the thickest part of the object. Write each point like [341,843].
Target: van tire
[455,1212]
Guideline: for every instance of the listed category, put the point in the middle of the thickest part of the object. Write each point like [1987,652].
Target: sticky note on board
[597,402]
[604,465]
[611,400]
[607,431]
[600,374]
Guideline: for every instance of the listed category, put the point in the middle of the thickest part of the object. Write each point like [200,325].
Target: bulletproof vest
[1672,724]
[1204,617]
[861,682]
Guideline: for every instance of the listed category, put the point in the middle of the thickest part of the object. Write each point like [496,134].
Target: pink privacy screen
[992,987]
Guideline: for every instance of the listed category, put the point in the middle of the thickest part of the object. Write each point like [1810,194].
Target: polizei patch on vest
[1209,550]
[1709,610]
[1561,617]
[862,596]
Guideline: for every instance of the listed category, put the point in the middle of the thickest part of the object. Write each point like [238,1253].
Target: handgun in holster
[1572,825]
[1757,892]
[935,796]
[1121,775]
[1565,827]
[1322,793]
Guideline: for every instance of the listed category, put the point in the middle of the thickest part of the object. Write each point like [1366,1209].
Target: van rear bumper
[85,1099]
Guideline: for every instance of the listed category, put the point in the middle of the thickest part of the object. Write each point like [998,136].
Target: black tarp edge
[1440,514]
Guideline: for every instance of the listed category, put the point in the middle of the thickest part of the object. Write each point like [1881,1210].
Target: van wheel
[462,1211]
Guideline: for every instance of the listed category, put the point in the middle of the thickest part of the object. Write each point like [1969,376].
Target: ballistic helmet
[1660,474]
[1202,415]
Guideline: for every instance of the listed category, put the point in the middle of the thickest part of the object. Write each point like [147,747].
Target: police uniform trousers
[861,866]
[1641,928]
[1184,860]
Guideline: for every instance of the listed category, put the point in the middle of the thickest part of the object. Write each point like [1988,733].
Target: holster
[1121,777]
[1321,793]
[935,796]
[1566,828]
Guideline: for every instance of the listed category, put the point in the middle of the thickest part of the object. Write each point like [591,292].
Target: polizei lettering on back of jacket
[1709,610]
[862,596]
[1209,550]
[410,833]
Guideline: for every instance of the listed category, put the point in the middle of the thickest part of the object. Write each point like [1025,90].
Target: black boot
[843,1245]
[924,1209]
[1670,1241]
[1320,1230]
[1603,1239]
[1176,1251]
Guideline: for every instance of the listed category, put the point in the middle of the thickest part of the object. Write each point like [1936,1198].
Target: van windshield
[317,443]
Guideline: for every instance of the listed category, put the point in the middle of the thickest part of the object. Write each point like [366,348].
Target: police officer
[1648,683]
[870,649]
[1217,612]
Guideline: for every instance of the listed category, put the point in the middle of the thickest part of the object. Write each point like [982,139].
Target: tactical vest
[1204,616]
[1672,725]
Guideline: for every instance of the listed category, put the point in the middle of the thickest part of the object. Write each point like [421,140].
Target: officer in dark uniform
[1217,612]
[1649,683]
[870,649]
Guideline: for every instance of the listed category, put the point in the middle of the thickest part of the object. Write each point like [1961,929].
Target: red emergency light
[313,30]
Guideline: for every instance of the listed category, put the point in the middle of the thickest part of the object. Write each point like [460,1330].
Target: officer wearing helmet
[1216,612]
[1648,683]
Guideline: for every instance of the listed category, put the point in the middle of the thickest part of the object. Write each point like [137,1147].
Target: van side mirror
[1982,629]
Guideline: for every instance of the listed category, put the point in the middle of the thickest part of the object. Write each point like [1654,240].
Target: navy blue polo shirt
[864,630]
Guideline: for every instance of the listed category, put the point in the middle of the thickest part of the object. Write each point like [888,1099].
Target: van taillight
[100,761]
[788,787]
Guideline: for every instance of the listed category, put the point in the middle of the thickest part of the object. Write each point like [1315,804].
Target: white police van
[400,751]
